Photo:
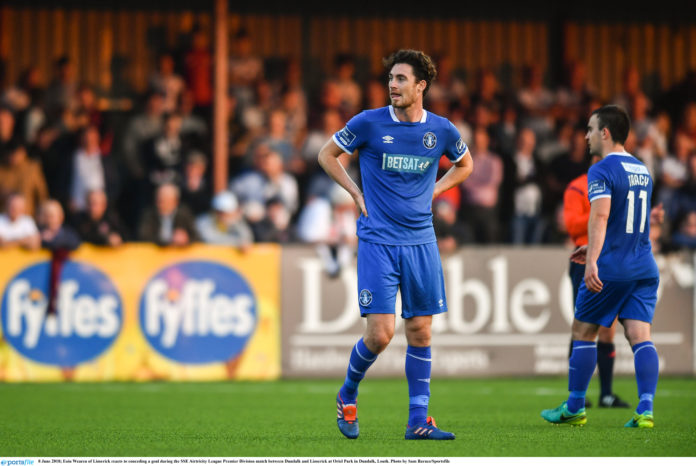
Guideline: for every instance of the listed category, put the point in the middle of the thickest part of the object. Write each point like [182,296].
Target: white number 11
[643,196]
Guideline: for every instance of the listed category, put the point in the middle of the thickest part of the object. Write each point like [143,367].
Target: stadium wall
[142,313]
[509,313]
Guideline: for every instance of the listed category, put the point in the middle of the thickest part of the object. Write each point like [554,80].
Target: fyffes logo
[198,312]
[88,318]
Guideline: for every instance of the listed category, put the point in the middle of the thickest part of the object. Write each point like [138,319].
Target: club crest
[429,140]
[365,298]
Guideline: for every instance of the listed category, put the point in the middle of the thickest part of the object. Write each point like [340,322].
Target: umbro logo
[387,139]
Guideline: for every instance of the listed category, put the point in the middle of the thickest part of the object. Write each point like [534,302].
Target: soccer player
[400,146]
[576,212]
[621,276]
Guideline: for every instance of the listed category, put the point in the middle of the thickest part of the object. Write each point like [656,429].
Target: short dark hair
[615,118]
[422,64]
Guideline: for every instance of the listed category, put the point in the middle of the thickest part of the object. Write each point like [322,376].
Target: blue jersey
[398,166]
[627,253]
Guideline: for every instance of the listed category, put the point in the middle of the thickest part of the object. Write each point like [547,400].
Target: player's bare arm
[328,159]
[459,172]
[597,229]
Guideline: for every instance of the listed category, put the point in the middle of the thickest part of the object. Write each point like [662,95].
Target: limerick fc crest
[429,140]
[365,298]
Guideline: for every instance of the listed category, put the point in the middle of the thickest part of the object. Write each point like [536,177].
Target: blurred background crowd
[72,167]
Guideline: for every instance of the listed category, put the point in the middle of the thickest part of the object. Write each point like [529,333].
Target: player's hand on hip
[360,202]
[579,255]
[592,281]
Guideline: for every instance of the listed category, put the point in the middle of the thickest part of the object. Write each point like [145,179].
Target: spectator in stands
[565,168]
[17,229]
[193,127]
[198,64]
[142,128]
[376,94]
[225,225]
[275,226]
[164,154]
[55,234]
[329,99]
[20,174]
[488,95]
[276,136]
[196,186]
[457,116]
[536,102]
[61,92]
[7,131]
[266,181]
[315,140]
[685,236]
[675,173]
[245,69]
[330,225]
[445,225]
[87,113]
[320,184]
[48,152]
[527,224]
[348,89]
[480,191]
[294,106]
[98,224]
[60,240]
[91,170]
[683,199]
[505,131]
[166,80]
[688,122]
[168,223]
[573,96]
[631,90]
[255,118]
[448,86]
[26,101]
[645,132]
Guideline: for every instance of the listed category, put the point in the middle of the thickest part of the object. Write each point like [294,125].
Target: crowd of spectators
[144,174]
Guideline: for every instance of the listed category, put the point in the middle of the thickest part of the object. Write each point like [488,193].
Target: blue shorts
[417,270]
[625,299]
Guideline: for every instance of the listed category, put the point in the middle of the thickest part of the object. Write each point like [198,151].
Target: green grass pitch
[491,417]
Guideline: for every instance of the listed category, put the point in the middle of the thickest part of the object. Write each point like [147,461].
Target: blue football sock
[361,359]
[581,365]
[647,366]
[606,353]
[418,362]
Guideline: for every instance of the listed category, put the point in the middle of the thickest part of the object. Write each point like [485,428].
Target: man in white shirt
[16,227]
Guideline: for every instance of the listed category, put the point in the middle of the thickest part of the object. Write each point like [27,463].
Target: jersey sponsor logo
[87,320]
[405,163]
[387,139]
[461,147]
[345,136]
[596,187]
[429,140]
[365,297]
[635,168]
[198,312]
